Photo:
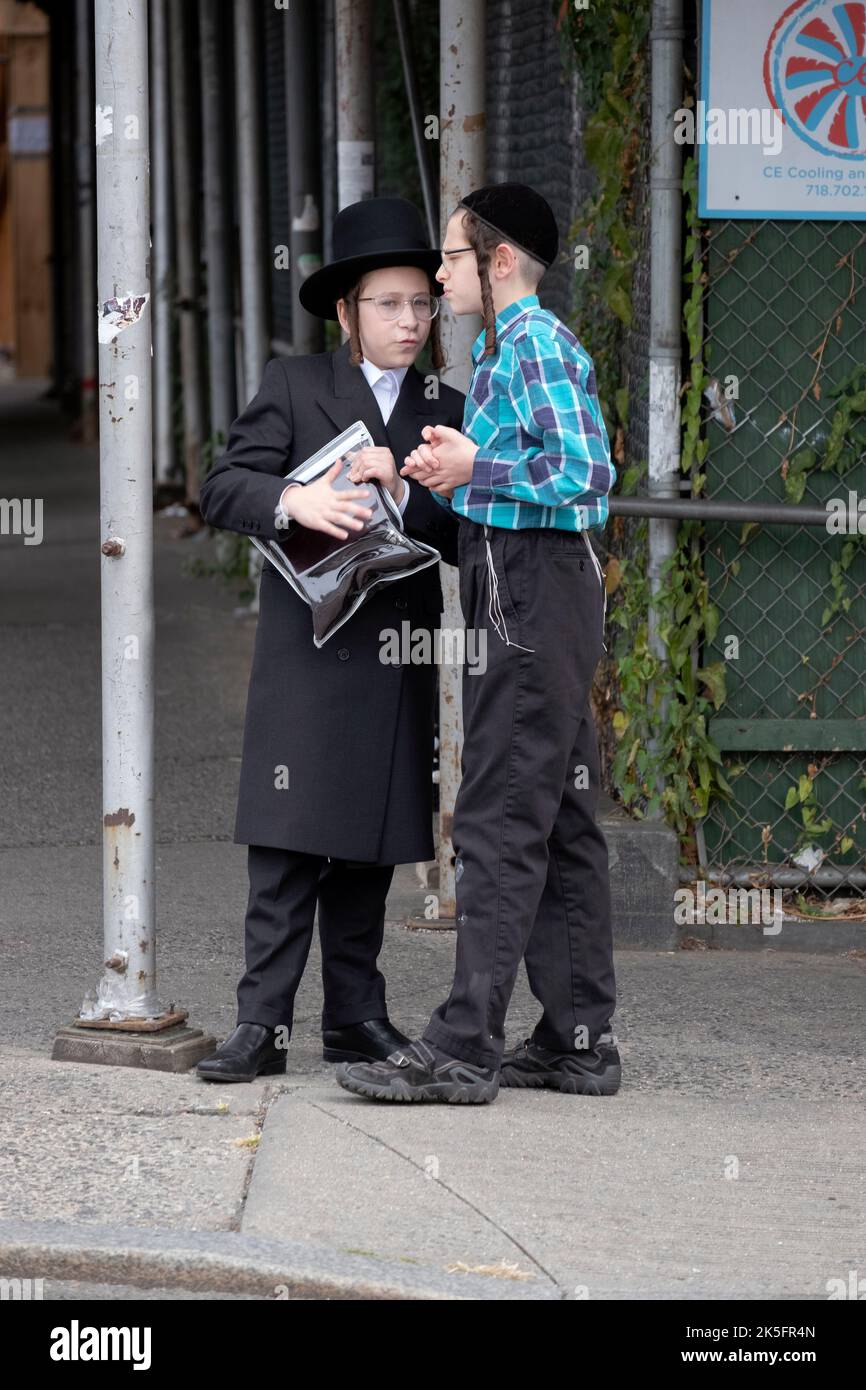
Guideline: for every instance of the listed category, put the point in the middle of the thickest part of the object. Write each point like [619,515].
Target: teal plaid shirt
[532,408]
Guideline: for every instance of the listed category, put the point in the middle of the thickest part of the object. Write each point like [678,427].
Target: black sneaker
[420,1072]
[594,1071]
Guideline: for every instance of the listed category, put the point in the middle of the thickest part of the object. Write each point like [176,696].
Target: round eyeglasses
[390,306]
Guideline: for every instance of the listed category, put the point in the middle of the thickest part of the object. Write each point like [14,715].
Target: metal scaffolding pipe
[328,142]
[356,150]
[128,986]
[305,190]
[160,114]
[218,221]
[462,108]
[777,876]
[251,203]
[84,202]
[705,509]
[185,182]
[413,97]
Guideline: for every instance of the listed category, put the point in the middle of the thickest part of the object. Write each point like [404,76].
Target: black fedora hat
[368,235]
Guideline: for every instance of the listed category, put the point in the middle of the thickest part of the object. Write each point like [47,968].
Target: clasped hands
[444,462]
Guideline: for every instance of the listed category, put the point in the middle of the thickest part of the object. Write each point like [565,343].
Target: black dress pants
[284,889]
[531,861]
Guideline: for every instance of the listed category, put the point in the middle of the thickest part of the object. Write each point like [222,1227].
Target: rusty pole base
[136,1025]
[157,1044]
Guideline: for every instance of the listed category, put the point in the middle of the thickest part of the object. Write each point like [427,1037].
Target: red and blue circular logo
[815,74]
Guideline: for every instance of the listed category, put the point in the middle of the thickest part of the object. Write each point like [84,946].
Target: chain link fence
[785,349]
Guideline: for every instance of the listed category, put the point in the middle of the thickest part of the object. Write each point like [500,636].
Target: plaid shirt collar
[507,316]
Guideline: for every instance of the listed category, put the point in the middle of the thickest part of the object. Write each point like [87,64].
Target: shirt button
[343,653]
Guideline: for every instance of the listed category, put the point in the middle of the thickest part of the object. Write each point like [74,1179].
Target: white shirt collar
[374,373]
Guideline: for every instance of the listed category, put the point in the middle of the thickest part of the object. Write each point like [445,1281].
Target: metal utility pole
[217,220]
[356,150]
[462,105]
[305,192]
[84,194]
[125,1024]
[163,432]
[666,36]
[187,242]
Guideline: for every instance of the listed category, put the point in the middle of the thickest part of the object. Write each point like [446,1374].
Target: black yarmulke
[519,214]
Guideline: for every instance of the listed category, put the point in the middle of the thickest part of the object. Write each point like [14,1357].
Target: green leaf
[714,678]
[802,461]
[795,486]
[617,298]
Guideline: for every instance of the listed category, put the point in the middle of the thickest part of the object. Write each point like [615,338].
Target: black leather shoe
[371,1041]
[248,1052]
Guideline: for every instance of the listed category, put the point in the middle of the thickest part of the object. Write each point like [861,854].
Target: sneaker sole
[269,1069]
[462,1095]
[569,1083]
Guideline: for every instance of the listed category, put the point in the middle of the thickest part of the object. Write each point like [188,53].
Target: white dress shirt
[385,383]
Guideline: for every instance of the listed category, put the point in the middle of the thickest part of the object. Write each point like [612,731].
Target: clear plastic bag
[335,576]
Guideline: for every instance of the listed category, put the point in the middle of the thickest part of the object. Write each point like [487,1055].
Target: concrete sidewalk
[730,1164]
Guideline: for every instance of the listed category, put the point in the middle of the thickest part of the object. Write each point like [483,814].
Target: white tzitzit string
[494,607]
[594,558]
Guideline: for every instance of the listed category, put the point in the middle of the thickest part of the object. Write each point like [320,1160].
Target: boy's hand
[454,455]
[421,464]
[378,463]
[321,507]
[444,462]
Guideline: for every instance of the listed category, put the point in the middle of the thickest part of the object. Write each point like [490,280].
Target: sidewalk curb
[828,938]
[223,1262]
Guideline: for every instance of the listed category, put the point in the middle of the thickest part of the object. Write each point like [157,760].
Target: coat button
[401,603]
[343,653]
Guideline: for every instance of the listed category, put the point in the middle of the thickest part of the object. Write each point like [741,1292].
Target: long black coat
[354,735]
